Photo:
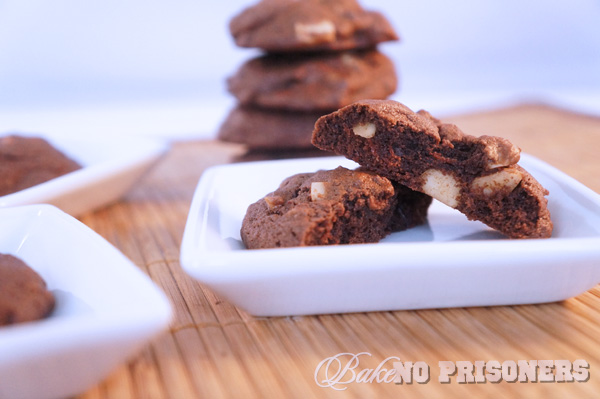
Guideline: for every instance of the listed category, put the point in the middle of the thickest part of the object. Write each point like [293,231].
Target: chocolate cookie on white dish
[479,176]
[339,206]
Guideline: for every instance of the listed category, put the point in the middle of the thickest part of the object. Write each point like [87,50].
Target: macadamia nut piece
[323,31]
[441,186]
[500,152]
[274,201]
[317,190]
[504,181]
[366,130]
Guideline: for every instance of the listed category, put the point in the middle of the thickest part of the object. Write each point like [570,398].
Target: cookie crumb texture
[23,293]
[339,206]
[29,161]
[309,25]
[479,176]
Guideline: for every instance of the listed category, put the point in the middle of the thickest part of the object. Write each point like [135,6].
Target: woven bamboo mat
[214,350]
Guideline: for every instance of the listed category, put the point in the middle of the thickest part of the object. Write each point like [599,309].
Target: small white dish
[110,166]
[449,262]
[106,307]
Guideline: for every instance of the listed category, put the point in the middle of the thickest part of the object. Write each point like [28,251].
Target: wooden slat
[214,350]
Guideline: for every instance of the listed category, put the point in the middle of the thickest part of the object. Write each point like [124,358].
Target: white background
[158,67]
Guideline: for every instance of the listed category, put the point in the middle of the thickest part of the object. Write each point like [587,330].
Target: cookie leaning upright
[319,55]
[479,176]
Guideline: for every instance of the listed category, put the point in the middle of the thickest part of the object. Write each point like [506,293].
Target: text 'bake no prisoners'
[338,371]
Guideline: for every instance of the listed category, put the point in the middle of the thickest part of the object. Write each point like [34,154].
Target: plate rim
[147,151]
[83,329]
[266,283]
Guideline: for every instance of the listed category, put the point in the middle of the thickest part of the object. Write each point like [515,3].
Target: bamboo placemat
[214,350]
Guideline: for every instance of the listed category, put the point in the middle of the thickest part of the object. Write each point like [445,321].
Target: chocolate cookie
[23,293]
[337,206]
[314,82]
[28,161]
[309,25]
[268,129]
[479,176]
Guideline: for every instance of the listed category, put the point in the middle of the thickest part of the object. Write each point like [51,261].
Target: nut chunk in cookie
[479,176]
[339,206]
[309,25]
[23,293]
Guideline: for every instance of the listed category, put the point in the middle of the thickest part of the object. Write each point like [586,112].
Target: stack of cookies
[319,55]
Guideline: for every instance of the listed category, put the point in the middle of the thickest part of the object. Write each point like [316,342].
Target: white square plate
[106,308]
[447,263]
[110,166]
